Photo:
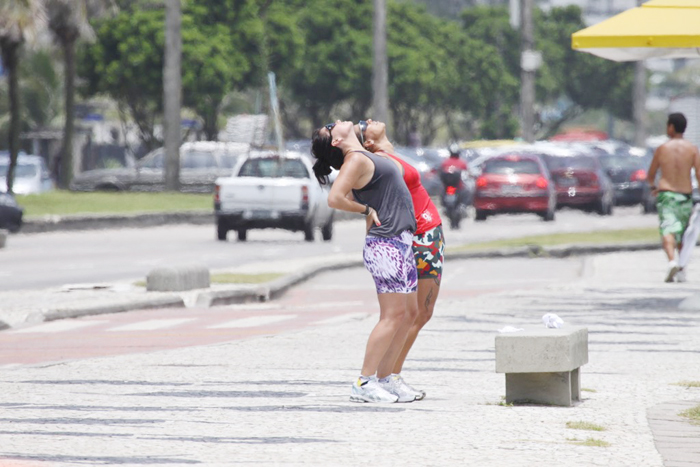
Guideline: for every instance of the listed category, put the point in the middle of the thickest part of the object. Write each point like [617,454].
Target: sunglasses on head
[363,127]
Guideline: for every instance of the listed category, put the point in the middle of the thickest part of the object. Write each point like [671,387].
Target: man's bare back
[675,158]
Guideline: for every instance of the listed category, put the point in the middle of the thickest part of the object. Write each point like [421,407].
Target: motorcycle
[452,199]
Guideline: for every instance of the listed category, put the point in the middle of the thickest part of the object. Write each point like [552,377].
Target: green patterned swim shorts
[674,213]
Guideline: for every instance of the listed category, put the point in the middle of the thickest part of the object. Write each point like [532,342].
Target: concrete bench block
[178,279]
[3,237]
[542,365]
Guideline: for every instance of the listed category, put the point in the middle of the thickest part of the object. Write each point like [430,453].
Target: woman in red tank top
[428,240]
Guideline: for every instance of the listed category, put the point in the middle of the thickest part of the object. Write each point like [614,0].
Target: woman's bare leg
[397,343]
[428,290]
[392,314]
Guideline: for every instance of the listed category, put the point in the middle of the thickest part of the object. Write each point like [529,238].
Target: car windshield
[21,170]
[622,162]
[273,167]
[573,162]
[511,166]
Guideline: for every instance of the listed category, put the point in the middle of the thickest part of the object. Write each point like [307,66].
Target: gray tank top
[387,194]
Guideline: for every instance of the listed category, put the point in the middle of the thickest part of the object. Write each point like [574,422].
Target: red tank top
[427,215]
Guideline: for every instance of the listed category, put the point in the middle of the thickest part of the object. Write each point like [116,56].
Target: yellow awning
[658,28]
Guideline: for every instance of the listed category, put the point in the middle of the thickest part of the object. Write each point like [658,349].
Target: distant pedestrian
[428,239]
[676,159]
[372,185]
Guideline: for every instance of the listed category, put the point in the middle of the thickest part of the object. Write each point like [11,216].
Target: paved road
[44,260]
[327,299]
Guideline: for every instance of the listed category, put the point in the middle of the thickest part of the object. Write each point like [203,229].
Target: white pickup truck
[269,190]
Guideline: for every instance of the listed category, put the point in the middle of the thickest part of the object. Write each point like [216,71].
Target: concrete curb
[150,304]
[111,221]
[561,251]
[275,288]
[41,224]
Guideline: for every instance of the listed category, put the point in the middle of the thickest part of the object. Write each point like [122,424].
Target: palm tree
[18,20]
[68,21]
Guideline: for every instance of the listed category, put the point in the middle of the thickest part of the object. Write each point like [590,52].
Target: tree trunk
[11,62]
[172,99]
[66,171]
[380,75]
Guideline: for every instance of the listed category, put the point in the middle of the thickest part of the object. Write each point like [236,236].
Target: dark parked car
[582,183]
[628,175]
[10,213]
[201,163]
[514,183]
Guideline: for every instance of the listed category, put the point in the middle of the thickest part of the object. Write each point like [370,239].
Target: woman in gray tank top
[371,185]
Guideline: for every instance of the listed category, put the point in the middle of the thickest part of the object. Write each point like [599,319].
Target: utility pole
[639,98]
[530,61]
[172,93]
[380,71]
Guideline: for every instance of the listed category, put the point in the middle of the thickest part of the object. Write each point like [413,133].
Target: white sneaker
[420,394]
[680,276]
[371,391]
[671,271]
[396,386]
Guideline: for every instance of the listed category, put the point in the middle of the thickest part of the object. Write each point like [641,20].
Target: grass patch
[62,202]
[693,414]
[584,426]
[589,442]
[598,237]
[688,384]
[588,390]
[230,278]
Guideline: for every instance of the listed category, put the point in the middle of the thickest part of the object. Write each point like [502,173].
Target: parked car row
[586,176]
[201,163]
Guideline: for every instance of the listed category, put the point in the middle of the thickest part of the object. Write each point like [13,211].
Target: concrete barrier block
[542,350]
[3,237]
[542,366]
[178,279]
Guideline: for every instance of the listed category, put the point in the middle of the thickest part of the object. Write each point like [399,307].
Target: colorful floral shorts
[674,213]
[429,252]
[391,263]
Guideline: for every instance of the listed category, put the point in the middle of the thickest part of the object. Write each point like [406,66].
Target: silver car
[201,162]
[31,175]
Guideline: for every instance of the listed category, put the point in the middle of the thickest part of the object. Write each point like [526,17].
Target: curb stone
[101,221]
[41,224]
[64,313]
[273,289]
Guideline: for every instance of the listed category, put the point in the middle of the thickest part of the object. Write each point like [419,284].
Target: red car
[514,183]
[582,183]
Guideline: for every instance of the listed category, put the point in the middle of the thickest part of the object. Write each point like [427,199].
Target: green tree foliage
[437,72]
[126,63]
[585,81]
[337,60]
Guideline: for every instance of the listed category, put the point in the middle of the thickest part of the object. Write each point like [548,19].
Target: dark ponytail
[327,156]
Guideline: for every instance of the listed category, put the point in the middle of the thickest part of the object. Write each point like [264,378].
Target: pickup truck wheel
[221,232]
[242,235]
[309,232]
[327,230]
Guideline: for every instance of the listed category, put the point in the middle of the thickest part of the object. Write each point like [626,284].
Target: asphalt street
[35,261]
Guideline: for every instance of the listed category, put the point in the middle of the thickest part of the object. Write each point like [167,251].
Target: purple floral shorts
[391,263]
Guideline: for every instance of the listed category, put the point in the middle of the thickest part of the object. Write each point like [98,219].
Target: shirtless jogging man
[676,158]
